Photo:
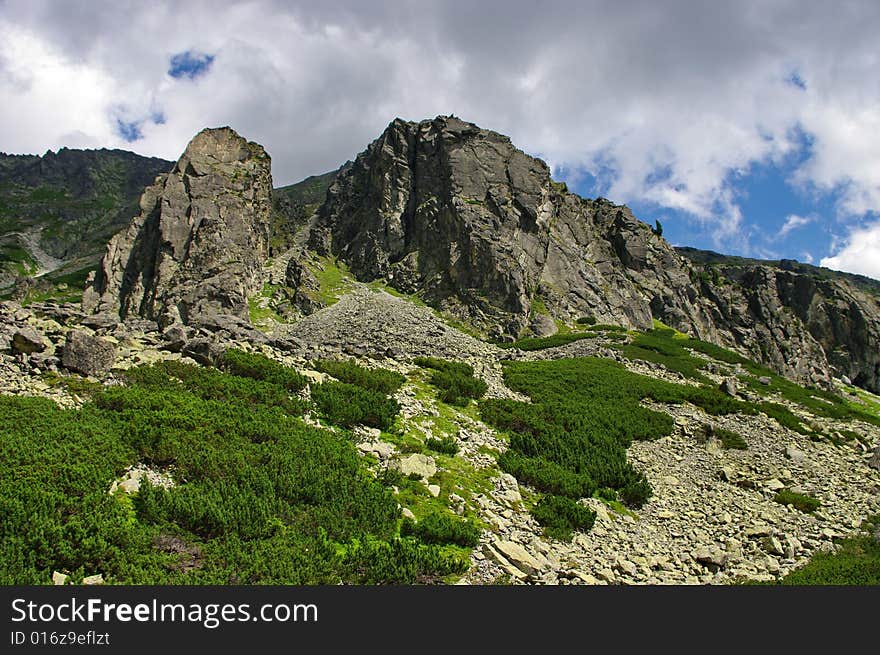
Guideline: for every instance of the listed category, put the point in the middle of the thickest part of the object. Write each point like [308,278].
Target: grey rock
[543,326]
[711,557]
[764,380]
[28,340]
[518,556]
[729,386]
[175,338]
[772,545]
[207,352]
[479,229]
[102,321]
[417,463]
[87,354]
[794,454]
[874,461]
[198,245]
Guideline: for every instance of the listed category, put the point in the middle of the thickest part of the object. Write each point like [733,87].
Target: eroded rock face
[479,229]
[197,247]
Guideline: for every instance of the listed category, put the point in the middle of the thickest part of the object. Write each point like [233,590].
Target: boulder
[28,340]
[87,354]
[417,464]
[518,556]
[794,454]
[729,386]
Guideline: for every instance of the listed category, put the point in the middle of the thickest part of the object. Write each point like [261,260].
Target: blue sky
[750,128]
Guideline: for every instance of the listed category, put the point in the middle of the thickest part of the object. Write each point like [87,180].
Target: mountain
[455,216]
[197,246]
[199,428]
[458,216]
[59,210]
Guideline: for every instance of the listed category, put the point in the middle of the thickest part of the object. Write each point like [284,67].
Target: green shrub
[561,517]
[374,379]
[856,561]
[455,380]
[800,502]
[540,343]
[347,405]
[729,440]
[260,367]
[447,445]
[437,528]
[587,320]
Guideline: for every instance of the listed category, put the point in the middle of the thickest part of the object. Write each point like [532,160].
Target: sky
[749,127]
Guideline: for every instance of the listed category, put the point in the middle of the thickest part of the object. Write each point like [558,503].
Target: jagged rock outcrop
[797,323]
[197,247]
[476,227]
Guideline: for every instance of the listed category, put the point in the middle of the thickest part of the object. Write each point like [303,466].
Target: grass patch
[561,517]
[800,502]
[540,343]
[347,405]
[333,279]
[375,379]
[455,380]
[856,561]
[447,445]
[259,367]
[438,528]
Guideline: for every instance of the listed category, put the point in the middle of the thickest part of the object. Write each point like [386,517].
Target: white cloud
[793,222]
[860,254]
[669,103]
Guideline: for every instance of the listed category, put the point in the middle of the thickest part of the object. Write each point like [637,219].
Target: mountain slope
[60,209]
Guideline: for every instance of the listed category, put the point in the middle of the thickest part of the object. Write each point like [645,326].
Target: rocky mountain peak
[198,244]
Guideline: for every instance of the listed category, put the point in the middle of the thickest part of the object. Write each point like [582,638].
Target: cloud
[793,222]
[670,104]
[860,253]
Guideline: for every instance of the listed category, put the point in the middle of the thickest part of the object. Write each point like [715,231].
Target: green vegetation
[856,561]
[446,444]
[455,380]
[333,278]
[347,405]
[674,350]
[561,517]
[539,343]
[800,502]
[564,446]
[438,528]
[375,379]
[586,320]
[730,440]
[260,367]
[261,497]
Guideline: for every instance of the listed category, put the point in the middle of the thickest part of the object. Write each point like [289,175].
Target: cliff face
[198,244]
[457,213]
[478,228]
